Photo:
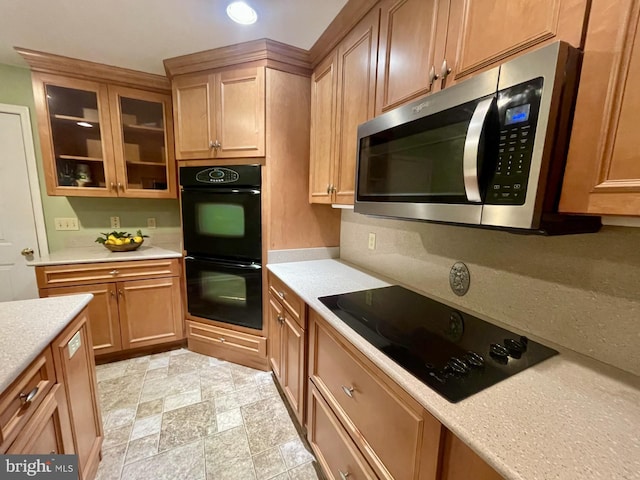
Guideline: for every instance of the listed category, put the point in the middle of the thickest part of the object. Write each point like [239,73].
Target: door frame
[32,173]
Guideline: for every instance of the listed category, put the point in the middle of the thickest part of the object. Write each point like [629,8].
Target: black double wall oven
[221,215]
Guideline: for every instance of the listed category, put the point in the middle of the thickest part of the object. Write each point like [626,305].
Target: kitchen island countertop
[98,254]
[28,326]
[569,417]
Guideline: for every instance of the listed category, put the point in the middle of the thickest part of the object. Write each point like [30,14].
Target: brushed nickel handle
[121,292]
[328,187]
[215,145]
[113,186]
[114,272]
[348,391]
[344,475]
[281,294]
[280,318]
[211,144]
[221,339]
[113,294]
[52,452]
[27,398]
[334,189]
[120,186]
[26,252]
[433,76]
[445,70]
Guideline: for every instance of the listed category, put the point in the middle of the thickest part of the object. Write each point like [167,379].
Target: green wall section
[93,213]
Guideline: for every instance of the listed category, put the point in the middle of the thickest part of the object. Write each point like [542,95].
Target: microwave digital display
[517,114]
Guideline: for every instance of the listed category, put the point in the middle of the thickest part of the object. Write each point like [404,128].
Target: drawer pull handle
[348,391]
[27,398]
[114,272]
[281,294]
[344,475]
[222,339]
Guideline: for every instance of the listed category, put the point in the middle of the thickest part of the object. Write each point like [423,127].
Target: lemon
[109,242]
[127,241]
[111,237]
[137,239]
[118,241]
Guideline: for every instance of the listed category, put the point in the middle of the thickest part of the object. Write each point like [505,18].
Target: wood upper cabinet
[220,115]
[484,33]
[410,48]
[323,107]
[602,174]
[343,96]
[101,140]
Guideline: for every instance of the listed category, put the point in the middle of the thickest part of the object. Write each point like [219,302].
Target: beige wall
[580,291]
[93,214]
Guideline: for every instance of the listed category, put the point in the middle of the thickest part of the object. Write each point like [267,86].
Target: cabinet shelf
[71,119]
[142,128]
[79,158]
[150,164]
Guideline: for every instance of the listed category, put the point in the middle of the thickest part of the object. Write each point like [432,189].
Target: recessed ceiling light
[84,124]
[242,13]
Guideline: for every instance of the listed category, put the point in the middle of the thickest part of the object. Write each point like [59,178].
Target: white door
[20,205]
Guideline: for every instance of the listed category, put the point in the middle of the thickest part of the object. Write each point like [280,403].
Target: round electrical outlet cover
[459,278]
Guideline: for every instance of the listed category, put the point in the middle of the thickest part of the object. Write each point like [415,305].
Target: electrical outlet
[115,222]
[372,241]
[70,223]
[151,222]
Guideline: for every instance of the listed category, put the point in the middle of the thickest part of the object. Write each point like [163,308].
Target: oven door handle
[472,149]
[226,263]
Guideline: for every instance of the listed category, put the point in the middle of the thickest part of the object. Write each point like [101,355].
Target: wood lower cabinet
[459,462]
[220,114]
[124,314]
[61,415]
[287,344]
[602,174]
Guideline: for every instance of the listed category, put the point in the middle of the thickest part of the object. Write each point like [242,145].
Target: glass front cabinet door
[100,140]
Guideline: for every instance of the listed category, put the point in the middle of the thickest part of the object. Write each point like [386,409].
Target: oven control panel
[518,113]
[217,175]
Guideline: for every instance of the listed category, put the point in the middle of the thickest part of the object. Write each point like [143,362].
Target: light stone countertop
[569,417]
[28,326]
[99,253]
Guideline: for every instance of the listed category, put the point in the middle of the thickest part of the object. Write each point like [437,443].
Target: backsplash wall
[580,291]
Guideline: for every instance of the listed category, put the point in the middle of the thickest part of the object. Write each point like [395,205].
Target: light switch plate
[74,344]
[70,223]
[372,241]
[151,222]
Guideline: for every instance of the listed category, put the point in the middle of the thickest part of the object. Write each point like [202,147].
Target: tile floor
[183,416]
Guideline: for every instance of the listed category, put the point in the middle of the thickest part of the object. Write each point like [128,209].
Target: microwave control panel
[518,109]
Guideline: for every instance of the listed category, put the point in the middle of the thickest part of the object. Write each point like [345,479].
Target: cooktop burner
[454,353]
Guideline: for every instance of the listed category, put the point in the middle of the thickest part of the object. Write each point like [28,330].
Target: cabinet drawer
[36,381]
[89,273]
[336,453]
[290,300]
[231,345]
[385,422]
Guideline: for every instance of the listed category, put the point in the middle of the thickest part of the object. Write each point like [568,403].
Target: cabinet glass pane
[76,136]
[145,151]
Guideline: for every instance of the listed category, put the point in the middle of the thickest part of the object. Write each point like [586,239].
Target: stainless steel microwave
[489,151]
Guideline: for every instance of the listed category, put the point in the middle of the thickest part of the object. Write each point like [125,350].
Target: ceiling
[139,34]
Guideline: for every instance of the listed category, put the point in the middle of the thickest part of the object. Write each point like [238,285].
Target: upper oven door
[429,160]
[222,222]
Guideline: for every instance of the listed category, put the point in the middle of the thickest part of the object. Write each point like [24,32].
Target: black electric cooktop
[454,353]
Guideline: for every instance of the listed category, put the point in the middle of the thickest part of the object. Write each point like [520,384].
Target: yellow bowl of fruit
[121,241]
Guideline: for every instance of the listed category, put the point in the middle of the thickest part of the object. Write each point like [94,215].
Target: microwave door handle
[471,150]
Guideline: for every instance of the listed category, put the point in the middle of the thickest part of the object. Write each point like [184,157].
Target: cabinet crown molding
[276,55]
[97,72]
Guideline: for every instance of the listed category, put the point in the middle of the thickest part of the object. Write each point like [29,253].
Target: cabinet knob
[121,292]
[280,318]
[114,272]
[281,294]
[52,452]
[27,398]
[344,475]
[445,70]
[433,76]
[348,391]
[120,186]
[222,339]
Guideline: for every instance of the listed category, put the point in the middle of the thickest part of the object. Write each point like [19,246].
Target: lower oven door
[225,291]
